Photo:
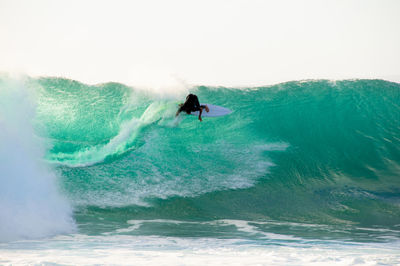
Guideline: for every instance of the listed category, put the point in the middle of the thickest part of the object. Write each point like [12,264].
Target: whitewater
[301,172]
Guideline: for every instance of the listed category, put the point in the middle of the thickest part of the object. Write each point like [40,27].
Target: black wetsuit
[191,104]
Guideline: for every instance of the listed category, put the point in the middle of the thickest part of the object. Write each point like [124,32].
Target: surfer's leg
[181,108]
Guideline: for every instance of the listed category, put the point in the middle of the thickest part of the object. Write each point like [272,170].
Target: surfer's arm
[200,111]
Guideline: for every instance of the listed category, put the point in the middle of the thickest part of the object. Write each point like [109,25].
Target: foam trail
[128,132]
[30,204]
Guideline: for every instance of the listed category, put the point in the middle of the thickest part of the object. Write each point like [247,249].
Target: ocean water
[302,172]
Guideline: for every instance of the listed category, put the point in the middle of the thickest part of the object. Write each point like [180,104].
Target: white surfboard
[215,110]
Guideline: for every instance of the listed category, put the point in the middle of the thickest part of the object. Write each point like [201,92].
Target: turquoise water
[296,162]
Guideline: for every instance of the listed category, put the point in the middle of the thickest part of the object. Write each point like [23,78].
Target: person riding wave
[192,105]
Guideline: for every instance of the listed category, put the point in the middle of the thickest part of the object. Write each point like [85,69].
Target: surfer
[192,105]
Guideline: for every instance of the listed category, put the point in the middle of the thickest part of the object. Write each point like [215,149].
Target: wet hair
[191,104]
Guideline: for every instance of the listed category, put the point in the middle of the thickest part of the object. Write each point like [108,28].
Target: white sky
[210,42]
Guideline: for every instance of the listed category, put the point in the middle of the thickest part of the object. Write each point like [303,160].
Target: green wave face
[309,152]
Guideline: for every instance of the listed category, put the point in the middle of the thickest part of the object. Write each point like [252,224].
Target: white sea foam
[132,250]
[30,203]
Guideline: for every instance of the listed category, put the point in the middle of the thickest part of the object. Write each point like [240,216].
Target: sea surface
[302,172]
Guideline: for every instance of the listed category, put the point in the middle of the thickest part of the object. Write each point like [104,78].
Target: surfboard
[215,110]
